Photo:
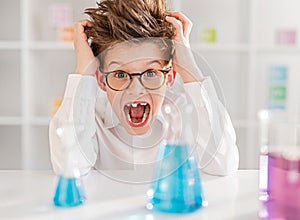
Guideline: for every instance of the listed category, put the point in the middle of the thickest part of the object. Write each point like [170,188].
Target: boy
[140,46]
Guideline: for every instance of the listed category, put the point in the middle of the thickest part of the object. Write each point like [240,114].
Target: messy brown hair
[116,21]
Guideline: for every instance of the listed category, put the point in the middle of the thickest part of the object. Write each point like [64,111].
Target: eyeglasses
[151,79]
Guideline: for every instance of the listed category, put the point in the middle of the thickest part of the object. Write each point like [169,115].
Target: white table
[28,195]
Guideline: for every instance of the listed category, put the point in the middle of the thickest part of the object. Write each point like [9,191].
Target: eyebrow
[148,63]
[114,62]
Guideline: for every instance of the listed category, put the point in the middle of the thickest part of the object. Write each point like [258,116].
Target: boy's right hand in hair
[87,63]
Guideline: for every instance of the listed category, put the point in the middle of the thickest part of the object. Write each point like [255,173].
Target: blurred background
[252,45]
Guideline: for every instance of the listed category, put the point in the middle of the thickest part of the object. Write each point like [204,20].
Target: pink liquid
[283,188]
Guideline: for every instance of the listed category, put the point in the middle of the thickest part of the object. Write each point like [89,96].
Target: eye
[150,73]
[120,75]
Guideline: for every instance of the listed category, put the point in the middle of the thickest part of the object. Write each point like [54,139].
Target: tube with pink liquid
[279,180]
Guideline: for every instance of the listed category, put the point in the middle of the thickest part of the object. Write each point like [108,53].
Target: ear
[101,80]
[171,77]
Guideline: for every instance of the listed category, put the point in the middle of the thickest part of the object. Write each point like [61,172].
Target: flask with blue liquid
[176,187]
[69,191]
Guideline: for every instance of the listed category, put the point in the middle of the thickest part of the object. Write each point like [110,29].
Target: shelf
[48,79]
[34,66]
[221,47]
[36,45]
[51,45]
[279,49]
[243,123]
[39,149]
[229,19]
[10,13]
[243,144]
[10,83]
[10,45]
[39,121]
[36,121]
[229,73]
[10,147]
[10,120]
[215,47]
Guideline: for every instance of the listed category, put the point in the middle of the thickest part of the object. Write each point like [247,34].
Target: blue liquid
[177,187]
[69,192]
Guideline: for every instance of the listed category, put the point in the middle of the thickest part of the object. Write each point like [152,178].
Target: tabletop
[29,195]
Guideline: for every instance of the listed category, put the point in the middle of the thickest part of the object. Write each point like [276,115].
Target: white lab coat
[101,142]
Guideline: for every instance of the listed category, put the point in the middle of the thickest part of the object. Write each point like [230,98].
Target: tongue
[137,112]
[136,120]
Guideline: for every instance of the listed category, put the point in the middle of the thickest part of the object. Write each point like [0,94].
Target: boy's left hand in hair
[183,26]
[183,59]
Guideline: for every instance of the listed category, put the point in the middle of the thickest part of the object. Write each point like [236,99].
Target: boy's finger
[85,23]
[186,22]
[80,25]
[181,16]
[176,23]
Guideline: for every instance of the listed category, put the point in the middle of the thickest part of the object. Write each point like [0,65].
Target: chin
[137,131]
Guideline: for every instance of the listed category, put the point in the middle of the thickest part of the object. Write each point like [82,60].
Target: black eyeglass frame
[164,71]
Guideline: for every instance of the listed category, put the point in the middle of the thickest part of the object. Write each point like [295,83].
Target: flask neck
[180,131]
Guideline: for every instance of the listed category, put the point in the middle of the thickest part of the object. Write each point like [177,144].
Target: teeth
[144,117]
[128,117]
[134,105]
[127,109]
[147,111]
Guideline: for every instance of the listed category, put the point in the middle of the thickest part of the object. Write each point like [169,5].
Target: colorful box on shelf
[61,14]
[286,36]
[66,33]
[61,19]
[278,78]
[208,35]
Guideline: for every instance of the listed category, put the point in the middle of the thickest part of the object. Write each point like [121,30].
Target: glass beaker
[177,185]
[279,180]
[69,190]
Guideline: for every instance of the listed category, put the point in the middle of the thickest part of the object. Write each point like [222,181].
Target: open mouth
[137,113]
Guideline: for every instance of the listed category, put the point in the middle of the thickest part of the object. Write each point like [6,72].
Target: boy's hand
[87,63]
[183,27]
[183,59]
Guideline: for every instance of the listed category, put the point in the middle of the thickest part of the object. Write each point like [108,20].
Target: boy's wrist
[87,89]
[191,74]
[87,69]
[84,73]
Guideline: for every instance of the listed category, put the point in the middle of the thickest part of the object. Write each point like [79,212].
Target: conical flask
[176,186]
[69,191]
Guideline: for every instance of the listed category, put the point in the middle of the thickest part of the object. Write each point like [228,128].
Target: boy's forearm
[77,112]
[192,74]
[186,65]
[216,140]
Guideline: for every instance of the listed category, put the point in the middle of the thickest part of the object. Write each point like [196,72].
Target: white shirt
[99,140]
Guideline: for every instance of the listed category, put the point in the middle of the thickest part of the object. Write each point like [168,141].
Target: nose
[136,88]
